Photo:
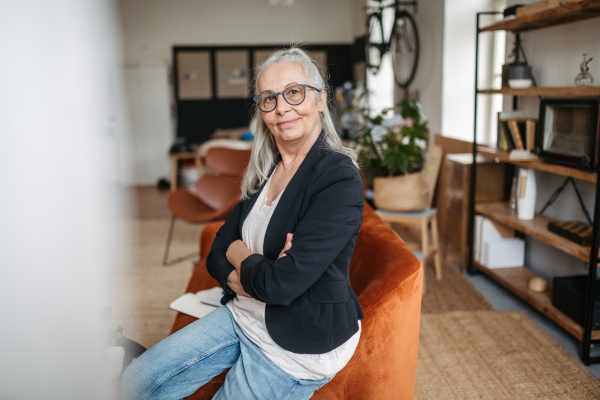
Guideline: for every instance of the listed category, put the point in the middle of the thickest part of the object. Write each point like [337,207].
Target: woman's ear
[323,103]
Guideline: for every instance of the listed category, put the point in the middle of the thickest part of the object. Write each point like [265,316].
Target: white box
[503,253]
[486,230]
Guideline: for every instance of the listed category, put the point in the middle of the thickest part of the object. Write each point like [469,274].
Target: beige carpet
[143,287]
[453,292]
[496,355]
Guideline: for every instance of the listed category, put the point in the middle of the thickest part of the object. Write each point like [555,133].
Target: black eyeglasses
[293,95]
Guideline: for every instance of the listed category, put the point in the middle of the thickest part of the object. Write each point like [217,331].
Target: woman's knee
[135,384]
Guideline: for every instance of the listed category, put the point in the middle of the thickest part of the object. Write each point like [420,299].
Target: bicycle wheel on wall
[374,45]
[404,46]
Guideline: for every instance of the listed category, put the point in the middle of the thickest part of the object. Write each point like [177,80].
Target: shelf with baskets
[517,279]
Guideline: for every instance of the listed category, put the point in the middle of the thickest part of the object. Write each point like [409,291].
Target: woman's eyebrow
[285,87]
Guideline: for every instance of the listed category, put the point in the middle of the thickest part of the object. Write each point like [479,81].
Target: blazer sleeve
[216,263]
[324,230]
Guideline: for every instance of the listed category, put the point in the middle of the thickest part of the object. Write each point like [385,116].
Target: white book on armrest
[198,304]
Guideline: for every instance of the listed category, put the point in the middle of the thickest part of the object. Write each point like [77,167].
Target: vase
[519,76]
[401,193]
[526,194]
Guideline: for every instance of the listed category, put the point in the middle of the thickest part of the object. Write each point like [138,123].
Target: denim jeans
[177,366]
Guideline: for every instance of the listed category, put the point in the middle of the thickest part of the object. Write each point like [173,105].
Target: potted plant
[391,151]
[516,73]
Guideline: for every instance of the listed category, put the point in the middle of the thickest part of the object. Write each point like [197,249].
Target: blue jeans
[180,364]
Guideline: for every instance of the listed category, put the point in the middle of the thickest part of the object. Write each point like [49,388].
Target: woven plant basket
[401,193]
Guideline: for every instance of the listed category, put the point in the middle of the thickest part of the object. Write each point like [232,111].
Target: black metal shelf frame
[586,342]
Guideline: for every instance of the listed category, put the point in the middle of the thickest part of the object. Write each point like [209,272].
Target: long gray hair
[264,149]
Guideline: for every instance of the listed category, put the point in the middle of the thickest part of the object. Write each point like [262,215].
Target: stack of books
[516,134]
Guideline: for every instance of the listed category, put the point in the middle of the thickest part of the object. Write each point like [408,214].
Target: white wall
[152,27]
[458,83]
[428,80]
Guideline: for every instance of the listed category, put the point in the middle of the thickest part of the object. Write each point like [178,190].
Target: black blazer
[310,306]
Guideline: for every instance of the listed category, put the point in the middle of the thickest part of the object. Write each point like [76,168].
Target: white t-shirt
[249,313]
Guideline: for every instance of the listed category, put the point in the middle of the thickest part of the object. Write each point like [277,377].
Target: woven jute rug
[496,355]
[453,292]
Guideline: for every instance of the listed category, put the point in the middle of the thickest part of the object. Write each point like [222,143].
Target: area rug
[496,355]
[142,288]
[453,292]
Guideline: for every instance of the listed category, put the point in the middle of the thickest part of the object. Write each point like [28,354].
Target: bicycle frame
[377,7]
[401,40]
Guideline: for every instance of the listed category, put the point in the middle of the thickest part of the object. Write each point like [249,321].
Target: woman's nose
[281,106]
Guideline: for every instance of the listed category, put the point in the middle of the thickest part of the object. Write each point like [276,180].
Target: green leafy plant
[390,145]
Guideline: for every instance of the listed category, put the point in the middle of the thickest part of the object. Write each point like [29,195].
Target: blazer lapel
[286,208]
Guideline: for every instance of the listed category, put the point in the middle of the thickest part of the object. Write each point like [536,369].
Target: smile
[288,122]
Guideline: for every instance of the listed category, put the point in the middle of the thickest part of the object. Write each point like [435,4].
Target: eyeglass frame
[303,85]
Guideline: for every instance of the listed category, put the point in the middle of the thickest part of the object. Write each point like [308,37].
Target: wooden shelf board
[503,156]
[569,12]
[559,91]
[517,279]
[536,228]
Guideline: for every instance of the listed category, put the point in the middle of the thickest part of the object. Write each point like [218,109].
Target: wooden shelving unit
[536,228]
[569,12]
[504,157]
[566,91]
[517,279]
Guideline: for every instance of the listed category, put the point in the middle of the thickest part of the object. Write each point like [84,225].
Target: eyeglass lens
[294,95]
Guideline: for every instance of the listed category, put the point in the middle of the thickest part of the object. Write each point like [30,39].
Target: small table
[175,158]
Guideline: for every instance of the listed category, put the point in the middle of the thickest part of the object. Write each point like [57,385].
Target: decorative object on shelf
[576,231]
[584,78]
[392,154]
[537,284]
[527,192]
[542,5]
[511,11]
[516,73]
[512,201]
[569,132]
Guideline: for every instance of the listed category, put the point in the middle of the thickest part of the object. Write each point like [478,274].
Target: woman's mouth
[287,123]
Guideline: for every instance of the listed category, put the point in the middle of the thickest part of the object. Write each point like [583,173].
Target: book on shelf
[515,131]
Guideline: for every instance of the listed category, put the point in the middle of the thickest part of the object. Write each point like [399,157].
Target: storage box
[568,295]
[503,253]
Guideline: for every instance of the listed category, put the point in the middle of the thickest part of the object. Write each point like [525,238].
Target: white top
[249,313]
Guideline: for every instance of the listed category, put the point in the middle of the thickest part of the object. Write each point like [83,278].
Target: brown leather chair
[215,194]
[387,278]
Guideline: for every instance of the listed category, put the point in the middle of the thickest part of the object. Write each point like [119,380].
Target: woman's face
[287,123]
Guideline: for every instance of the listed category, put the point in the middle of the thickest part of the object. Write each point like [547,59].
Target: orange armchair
[216,192]
[387,278]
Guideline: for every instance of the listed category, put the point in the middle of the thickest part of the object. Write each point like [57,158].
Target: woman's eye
[293,91]
[269,98]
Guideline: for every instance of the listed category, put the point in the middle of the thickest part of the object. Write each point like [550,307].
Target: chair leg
[436,248]
[168,246]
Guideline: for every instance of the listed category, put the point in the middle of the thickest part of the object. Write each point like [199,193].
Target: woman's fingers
[287,245]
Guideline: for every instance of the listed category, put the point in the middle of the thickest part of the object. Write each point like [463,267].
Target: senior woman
[291,320]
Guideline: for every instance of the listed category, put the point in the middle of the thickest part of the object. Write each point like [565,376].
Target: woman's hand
[234,283]
[287,245]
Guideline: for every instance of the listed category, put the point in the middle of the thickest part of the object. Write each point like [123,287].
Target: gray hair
[264,149]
